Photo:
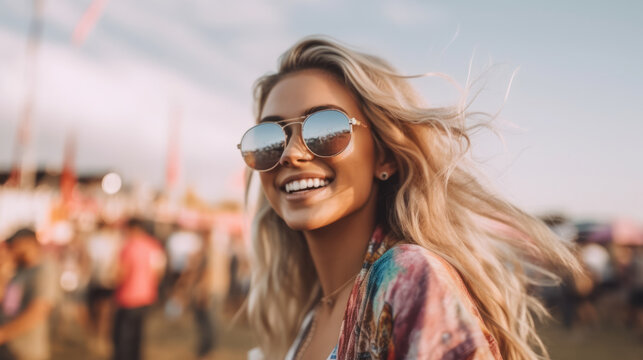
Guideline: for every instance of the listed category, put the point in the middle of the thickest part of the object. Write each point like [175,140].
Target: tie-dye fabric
[408,303]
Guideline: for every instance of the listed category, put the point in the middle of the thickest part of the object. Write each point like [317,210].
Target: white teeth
[304,184]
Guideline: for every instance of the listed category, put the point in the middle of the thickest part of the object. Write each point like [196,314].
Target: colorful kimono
[408,303]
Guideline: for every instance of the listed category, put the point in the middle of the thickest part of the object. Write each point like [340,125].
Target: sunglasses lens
[327,132]
[262,146]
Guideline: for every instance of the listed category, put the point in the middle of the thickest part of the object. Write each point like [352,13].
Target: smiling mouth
[305,184]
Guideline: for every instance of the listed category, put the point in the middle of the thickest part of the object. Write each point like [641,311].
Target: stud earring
[383,175]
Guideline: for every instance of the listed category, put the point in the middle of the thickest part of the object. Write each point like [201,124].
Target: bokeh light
[111,183]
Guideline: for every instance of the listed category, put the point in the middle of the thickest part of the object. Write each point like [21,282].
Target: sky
[571,125]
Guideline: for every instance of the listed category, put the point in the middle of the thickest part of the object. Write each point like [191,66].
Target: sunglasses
[325,133]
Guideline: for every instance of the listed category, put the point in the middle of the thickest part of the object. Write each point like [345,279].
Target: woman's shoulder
[425,299]
[411,276]
[411,262]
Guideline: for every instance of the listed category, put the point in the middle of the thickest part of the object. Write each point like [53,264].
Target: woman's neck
[338,249]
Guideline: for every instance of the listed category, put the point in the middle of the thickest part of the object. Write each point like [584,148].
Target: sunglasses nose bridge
[295,147]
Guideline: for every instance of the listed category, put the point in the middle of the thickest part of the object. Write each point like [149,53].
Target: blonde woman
[373,240]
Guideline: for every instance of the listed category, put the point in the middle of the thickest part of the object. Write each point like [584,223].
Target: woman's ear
[385,165]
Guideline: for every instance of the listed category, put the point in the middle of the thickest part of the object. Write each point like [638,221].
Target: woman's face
[349,174]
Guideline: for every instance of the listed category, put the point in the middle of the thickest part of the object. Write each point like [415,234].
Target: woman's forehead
[305,89]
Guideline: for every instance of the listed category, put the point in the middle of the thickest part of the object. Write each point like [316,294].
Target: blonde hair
[433,200]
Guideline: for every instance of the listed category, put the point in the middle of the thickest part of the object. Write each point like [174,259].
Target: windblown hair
[434,200]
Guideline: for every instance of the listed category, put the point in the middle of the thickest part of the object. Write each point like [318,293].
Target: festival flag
[68,173]
[173,166]
[23,137]
[23,171]
[14,175]
[88,21]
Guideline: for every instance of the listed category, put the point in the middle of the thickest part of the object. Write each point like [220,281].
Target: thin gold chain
[329,300]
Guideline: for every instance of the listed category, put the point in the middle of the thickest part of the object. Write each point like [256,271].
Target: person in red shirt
[141,265]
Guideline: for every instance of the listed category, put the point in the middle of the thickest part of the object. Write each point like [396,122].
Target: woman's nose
[295,151]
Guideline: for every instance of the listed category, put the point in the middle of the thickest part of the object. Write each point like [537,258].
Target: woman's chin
[307,224]
[307,221]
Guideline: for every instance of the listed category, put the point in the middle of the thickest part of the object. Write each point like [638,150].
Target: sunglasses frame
[351,121]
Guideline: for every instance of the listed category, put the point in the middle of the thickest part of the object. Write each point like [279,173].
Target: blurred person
[194,289]
[622,257]
[372,237]
[235,295]
[613,293]
[635,294]
[141,264]
[576,300]
[181,245]
[582,290]
[102,246]
[627,264]
[28,299]
[7,269]
[238,274]
[74,263]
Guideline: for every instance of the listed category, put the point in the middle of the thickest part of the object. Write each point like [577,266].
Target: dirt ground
[169,340]
[164,339]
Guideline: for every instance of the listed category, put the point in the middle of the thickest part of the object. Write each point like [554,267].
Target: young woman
[373,240]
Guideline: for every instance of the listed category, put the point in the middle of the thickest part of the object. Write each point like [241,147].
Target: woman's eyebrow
[275,118]
[320,108]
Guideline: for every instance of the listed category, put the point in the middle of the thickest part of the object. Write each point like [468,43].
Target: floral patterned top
[408,303]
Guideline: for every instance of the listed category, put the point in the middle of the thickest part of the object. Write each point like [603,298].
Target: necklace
[329,300]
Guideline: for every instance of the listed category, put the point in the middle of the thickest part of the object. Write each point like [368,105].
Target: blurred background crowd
[122,229]
[94,265]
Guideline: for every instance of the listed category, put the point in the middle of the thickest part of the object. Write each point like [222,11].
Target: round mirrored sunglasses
[325,133]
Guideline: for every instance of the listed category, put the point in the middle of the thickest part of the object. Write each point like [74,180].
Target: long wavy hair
[434,200]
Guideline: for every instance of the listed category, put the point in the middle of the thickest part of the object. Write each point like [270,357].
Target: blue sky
[575,103]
